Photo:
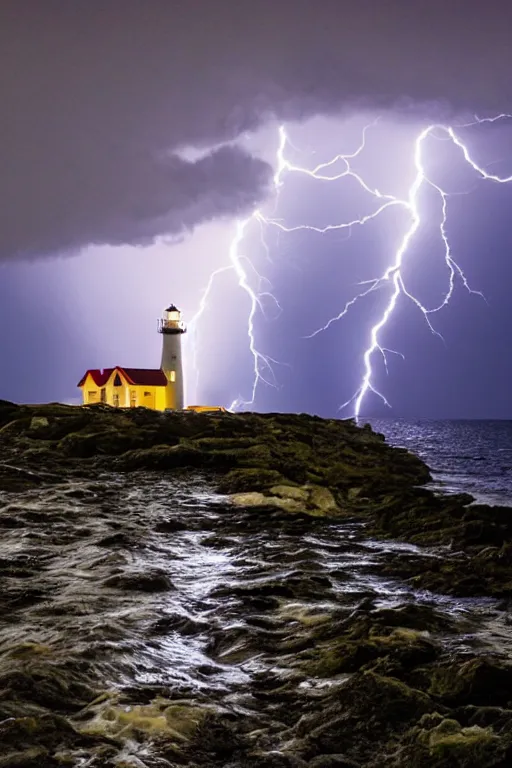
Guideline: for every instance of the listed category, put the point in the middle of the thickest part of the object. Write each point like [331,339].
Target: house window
[115,401]
[91,394]
[133,398]
[173,376]
[117,381]
[103,395]
[147,394]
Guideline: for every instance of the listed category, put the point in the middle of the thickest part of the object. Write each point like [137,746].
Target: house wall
[90,390]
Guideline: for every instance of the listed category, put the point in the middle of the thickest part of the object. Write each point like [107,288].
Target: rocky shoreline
[360,682]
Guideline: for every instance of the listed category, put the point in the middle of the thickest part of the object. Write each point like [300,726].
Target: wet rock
[248,479]
[26,739]
[401,649]
[322,499]
[478,681]
[414,616]
[333,761]
[36,422]
[256,499]
[176,623]
[62,689]
[8,411]
[499,718]
[161,718]
[162,457]
[442,742]
[271,760]
[119,539]
[147,581]
[170,526]
[364,712]
[15,479]
[290,492]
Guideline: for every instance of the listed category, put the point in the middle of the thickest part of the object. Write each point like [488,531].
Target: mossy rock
[41,682]
[367,710]
[16,479]
[170,457]
[257,456]
[257,499]
[155,580]
[478,681]
[474,746]
[440,742]
[249,479]
[225,443]
[40,735]
[403,648]
[161,720]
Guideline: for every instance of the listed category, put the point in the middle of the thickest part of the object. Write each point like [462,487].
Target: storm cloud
[98,99]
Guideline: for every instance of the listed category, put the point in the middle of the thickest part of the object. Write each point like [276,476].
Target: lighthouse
[172,329]
[160,389]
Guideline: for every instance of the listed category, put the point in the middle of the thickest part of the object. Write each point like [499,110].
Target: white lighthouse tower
[172,328]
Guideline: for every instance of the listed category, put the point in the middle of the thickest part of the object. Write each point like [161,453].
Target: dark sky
[101,107]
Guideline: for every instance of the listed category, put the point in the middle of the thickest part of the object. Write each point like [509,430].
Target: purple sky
[136,134]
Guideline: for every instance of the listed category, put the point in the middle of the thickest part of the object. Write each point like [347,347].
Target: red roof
[154,377]
[99,377]
[151,377]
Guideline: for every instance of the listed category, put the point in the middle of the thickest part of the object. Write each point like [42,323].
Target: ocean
[472,456]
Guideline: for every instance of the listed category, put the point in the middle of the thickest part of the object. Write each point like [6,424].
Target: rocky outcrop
[309,499]
[331,677]
[295,463]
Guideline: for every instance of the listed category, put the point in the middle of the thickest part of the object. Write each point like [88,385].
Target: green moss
[161,718]
[472,746]
[249,479]
[477,681]
[402,648]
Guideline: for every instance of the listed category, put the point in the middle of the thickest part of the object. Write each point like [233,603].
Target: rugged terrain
[243,590]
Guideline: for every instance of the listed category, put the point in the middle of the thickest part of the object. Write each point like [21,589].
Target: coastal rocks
[292,463]
[479,682]
[160,718]
[155,621]
[144,581]
[404,648]
[37,422]
[31,742]
[322,499]
[17,479]
[312,500]
[248,479]
[256,499]
[184,455]
[442,742]
[291,492]
[363,713]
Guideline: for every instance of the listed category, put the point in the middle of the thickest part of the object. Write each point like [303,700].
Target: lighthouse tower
[172,328]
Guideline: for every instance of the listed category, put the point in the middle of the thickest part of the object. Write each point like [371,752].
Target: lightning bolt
[391,279]
[263,365]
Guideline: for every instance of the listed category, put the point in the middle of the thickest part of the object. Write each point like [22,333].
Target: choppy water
[473,456]
[158,584]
